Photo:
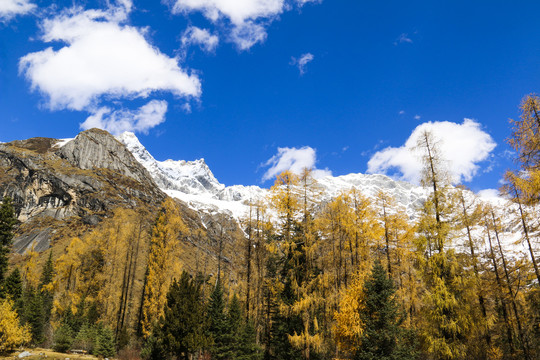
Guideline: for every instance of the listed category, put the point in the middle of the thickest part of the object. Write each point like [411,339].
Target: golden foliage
[12,334]
[348,327]
[163,261]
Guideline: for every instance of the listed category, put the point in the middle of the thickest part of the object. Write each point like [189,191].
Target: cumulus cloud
[202,37]
[12,8]
[462,145]
[294,160]
[102,58]
[118,121]
[245,20]
[302,61]
[489,194]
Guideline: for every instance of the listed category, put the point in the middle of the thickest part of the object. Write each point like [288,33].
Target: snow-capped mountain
[194,183]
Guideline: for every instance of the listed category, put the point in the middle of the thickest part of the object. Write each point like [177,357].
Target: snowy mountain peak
[194,183]
[189,177]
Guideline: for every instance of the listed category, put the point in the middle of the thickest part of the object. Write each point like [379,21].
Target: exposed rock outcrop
[97,149]
[37,240]
[92,173]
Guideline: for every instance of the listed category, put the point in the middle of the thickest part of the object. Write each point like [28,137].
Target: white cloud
[302,61]
[202,37]
[237,11]
[245,21]
[247,34]
[463,145]
[12,8]
[118,121]
[294,160]
[403,38]
[101,58]
[417,117]
[489,194]
[401,112]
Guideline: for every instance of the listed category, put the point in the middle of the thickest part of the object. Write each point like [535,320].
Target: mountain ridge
[194,183]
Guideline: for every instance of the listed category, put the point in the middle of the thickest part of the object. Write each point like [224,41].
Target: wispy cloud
[202,37]
[417,117]
[404,38]
[302,61]
[294,160]
[463,145]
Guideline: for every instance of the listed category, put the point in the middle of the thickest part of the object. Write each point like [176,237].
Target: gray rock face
[95,149]
[92,173]
[37,189]
[38,240]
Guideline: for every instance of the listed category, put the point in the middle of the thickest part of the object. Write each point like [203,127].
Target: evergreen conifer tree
[33,314]
[219,325]
[382,337]
[7,223]
[14,290]
[46,294]
[248,348]
[86,338]
[243,336]
[105,345]
[182,326]
[63,338]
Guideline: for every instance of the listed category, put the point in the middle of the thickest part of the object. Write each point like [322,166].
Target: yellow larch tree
[12,334]
[163,262]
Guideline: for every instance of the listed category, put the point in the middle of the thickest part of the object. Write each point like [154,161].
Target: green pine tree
[235,316]
[13,285]
[243,340]
[219,325]
[383,338]
[181,330]
[13,288]
[46,294]
[7,224]
[86,338]
[249,350]
[33,314]
[153,348]
[63,338]
[105,345]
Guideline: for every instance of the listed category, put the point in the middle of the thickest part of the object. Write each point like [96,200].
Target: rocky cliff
[84,179]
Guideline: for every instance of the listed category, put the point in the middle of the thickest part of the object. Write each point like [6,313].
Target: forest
[351,278]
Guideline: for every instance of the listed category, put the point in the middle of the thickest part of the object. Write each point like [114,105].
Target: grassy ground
[47,354]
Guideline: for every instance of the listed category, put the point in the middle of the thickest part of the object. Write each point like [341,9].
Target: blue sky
[257,86]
